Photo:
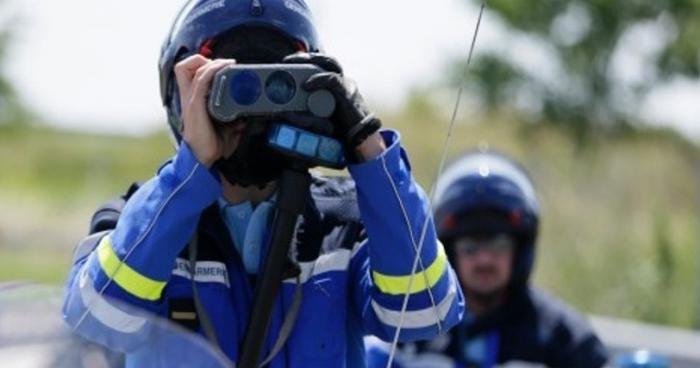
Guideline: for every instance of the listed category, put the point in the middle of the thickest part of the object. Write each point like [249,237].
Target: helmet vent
[484,170]
[256,8]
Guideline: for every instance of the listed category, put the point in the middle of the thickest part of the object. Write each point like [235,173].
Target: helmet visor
[470,246]
[253,45]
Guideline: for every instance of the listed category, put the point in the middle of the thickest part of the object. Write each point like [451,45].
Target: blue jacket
[530,327]
[354,251]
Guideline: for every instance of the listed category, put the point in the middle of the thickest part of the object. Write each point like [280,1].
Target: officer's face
[484,264]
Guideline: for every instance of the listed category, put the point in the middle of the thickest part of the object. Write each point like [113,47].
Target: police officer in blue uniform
[487,215]
[353,249]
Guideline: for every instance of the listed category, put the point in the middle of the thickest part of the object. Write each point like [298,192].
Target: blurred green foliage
[63,167]
[51,181]
[582,40]
[10,110]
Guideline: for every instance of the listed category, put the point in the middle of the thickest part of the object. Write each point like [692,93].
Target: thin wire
[416,248]
[431,196]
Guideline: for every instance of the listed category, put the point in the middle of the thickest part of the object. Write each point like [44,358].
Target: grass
[50,182]
[619,231]
[63,167]
[44,265]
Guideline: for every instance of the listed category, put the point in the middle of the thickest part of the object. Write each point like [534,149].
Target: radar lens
[245,87]
[280,87]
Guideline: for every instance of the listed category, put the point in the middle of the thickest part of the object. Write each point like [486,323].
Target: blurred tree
[10,109]
[600,58]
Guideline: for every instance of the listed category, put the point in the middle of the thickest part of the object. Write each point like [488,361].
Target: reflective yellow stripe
[398,285]
[125,276]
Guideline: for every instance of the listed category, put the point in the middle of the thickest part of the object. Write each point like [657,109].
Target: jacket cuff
[369,172]
[204,181]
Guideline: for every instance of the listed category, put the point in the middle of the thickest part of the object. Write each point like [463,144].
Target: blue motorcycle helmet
[260,31]
[484,194]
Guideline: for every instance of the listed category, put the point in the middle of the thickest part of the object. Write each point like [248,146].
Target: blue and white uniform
[353,252]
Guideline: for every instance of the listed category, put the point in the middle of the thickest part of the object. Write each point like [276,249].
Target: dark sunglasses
[470,246]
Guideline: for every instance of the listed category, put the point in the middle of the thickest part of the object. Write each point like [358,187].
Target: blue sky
[91,64]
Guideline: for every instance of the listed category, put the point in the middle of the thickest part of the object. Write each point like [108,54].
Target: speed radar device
[269,92]
[255,90]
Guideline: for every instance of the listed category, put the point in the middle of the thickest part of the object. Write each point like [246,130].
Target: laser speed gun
[270,91]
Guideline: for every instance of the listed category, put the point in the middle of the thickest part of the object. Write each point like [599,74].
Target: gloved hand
[352,119]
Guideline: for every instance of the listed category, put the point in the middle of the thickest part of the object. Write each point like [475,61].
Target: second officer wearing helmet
[487,215]
[354,246]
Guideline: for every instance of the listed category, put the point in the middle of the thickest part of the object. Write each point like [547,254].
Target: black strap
[205,322]
[208,327]
[288,324]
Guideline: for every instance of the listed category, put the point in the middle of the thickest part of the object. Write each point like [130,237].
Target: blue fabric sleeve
[100,319]
[160,218]
[155,225]
[394,210]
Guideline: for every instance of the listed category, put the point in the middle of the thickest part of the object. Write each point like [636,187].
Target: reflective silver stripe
[206,271]
[337,260]
[103,310]
[141,238]
[418,318]
[356,249]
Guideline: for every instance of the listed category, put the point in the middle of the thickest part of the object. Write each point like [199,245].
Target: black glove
[352,119]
